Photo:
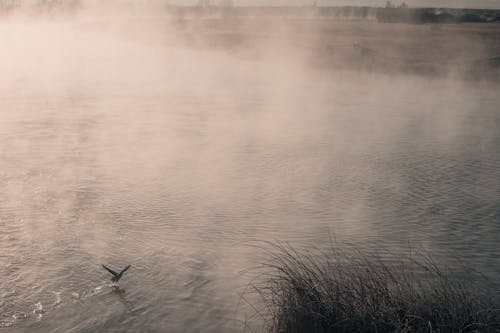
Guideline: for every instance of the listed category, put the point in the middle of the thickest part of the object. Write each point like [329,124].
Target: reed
[338,291]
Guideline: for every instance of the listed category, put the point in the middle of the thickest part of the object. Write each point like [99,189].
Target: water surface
[173,160]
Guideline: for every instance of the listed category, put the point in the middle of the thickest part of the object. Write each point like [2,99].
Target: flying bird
[116,276]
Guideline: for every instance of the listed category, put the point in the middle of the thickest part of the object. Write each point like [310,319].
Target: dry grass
[345,292]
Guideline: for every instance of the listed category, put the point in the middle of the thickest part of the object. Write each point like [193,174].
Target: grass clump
[345,292]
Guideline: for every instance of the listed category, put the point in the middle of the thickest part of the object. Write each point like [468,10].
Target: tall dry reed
[341,291]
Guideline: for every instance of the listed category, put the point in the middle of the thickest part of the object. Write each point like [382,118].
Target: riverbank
[340,291]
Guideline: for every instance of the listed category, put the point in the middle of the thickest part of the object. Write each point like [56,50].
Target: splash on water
[39,311]
[20,315]
[58,299]
[92,292]
[97,290]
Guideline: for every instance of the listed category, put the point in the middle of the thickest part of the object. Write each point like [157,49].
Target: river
[177,161]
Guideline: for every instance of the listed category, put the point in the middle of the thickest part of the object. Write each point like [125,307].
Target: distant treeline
[390,13]
[387,14]
[433,15]
[7,6]
[278,11]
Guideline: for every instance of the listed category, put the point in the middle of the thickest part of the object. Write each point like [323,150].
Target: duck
[116,276]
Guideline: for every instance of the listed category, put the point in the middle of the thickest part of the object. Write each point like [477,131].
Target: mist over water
[127,138]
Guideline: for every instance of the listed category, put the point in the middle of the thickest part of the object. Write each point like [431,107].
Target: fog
[133,135]
[381,3]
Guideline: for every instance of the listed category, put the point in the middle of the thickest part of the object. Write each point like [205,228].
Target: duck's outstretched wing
[123,271]
[110,270]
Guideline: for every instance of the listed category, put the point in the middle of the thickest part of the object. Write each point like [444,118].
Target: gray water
[174,161]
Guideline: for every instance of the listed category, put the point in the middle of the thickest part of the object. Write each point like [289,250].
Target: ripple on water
[9,293]
[5,323]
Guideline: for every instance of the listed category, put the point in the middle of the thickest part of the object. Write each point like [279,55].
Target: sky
[413,3]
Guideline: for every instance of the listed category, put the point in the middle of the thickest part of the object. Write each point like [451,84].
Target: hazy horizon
[479,4]
[491,4]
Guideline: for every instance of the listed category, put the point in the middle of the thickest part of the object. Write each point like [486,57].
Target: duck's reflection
[121,293]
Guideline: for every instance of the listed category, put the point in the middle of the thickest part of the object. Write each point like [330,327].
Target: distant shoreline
[381,14]
[389,14]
